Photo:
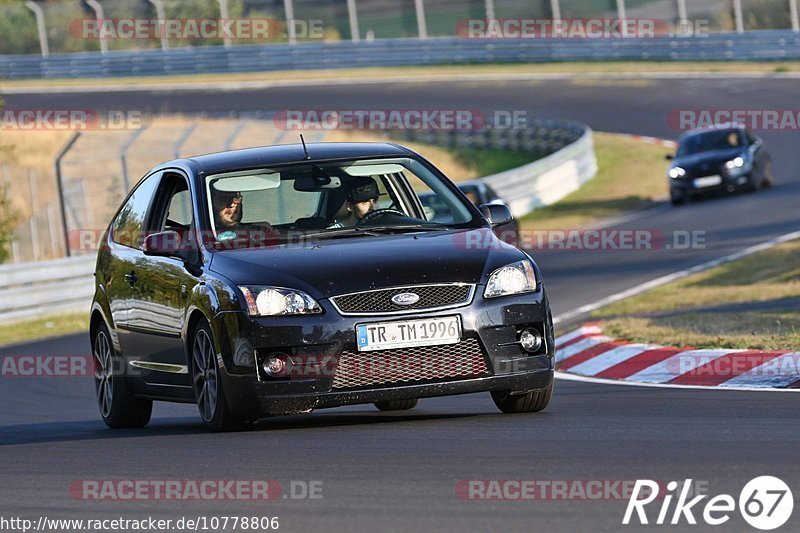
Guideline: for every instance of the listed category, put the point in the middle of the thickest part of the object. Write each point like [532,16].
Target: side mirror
[669,157]
[497,215]
[164,244]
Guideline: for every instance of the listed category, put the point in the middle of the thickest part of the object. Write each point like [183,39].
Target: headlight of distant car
[276,301]
[515,278]
[736,166]
[676,172]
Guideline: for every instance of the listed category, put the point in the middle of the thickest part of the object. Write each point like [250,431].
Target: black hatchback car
[278,280]
[723,158]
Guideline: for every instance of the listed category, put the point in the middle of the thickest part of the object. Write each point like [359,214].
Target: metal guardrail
[30,290]
[750,46]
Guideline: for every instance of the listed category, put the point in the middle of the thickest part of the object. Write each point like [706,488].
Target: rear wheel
[530,402]
[397,405]
[208,388]
[118,405]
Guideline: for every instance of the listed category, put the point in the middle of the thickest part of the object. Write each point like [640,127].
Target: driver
[228,211]
[362,198]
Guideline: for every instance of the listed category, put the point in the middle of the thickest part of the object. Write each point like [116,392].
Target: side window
[128,229]
[172,209]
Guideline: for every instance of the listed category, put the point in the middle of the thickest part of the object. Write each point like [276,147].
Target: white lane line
[580,346]
[377,79]
[603,381]
[677,365]
[778,372]
[584,330]
[663,280]
[606,360]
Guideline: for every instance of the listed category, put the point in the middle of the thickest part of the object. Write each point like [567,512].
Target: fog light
[531,340]
[276,365]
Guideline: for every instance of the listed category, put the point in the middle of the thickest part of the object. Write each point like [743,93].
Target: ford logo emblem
[405,298]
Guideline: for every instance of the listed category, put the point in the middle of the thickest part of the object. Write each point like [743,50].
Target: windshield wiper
[340,232]
[409,227]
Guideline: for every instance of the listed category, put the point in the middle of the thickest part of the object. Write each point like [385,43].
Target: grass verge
[753,303]
[582,67]
[629,178]
[42,328]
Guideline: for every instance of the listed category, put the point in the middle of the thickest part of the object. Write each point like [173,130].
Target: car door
[121,262]
[158,308]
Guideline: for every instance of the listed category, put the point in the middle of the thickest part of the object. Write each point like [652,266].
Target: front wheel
[117,403]
[530,402]
[208,389]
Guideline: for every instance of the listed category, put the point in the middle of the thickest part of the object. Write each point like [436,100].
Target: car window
[172,207]
[711,140]
[314,196]
[128,228]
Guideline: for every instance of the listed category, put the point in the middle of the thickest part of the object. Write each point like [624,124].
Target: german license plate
[408,333]
[708,181]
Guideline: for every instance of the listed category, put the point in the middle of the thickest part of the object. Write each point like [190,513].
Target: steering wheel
[379,213]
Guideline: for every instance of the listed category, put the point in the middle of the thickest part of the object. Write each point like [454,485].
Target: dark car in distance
[234,281]
[722,158]
[479,193]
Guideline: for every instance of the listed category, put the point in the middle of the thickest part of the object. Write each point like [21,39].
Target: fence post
[223,15]
[682,13]
[159,5]
[489,9]
[288,7]
[235,133]
[555,9]
[794,15]
[352,13]
[40,26]
[737,12]
[123,155]
[51,229]
[176,149]
[32,221]
[60,184]
[621,12]
[422,25]
[99,15]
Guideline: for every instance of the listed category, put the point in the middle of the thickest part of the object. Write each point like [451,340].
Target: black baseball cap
[362,189]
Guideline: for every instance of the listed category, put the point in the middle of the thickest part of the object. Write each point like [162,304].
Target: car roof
[715,127]
[291,153]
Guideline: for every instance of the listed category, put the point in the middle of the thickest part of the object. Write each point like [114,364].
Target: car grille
[380,301]
[410,365]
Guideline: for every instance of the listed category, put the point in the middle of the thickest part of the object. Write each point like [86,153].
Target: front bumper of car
[322,349]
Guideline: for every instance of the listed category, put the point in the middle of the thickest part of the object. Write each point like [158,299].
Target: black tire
[531,402]
[755,181]
[678,197]
[119,407]
[208,389]
[769,176]
[397,405]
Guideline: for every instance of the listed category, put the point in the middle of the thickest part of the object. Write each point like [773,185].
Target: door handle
[131,277]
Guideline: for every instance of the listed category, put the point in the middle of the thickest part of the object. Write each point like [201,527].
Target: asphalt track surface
[399,471]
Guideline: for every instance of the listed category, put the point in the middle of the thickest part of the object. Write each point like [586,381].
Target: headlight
[275,301]
[515,278]
[676,172]
[735,163]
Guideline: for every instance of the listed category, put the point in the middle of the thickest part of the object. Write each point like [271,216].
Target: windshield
[366,197]
[710,141]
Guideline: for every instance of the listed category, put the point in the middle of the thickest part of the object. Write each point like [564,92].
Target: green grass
[630,177]
[764,287]
[491,161]
[42,328]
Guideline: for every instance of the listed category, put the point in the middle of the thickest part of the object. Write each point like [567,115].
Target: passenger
[362,198]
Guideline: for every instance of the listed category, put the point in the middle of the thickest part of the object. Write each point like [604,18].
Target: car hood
[713,158]
[338,266]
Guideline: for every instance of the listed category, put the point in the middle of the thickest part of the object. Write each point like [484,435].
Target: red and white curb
[587,352]
[666,143]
